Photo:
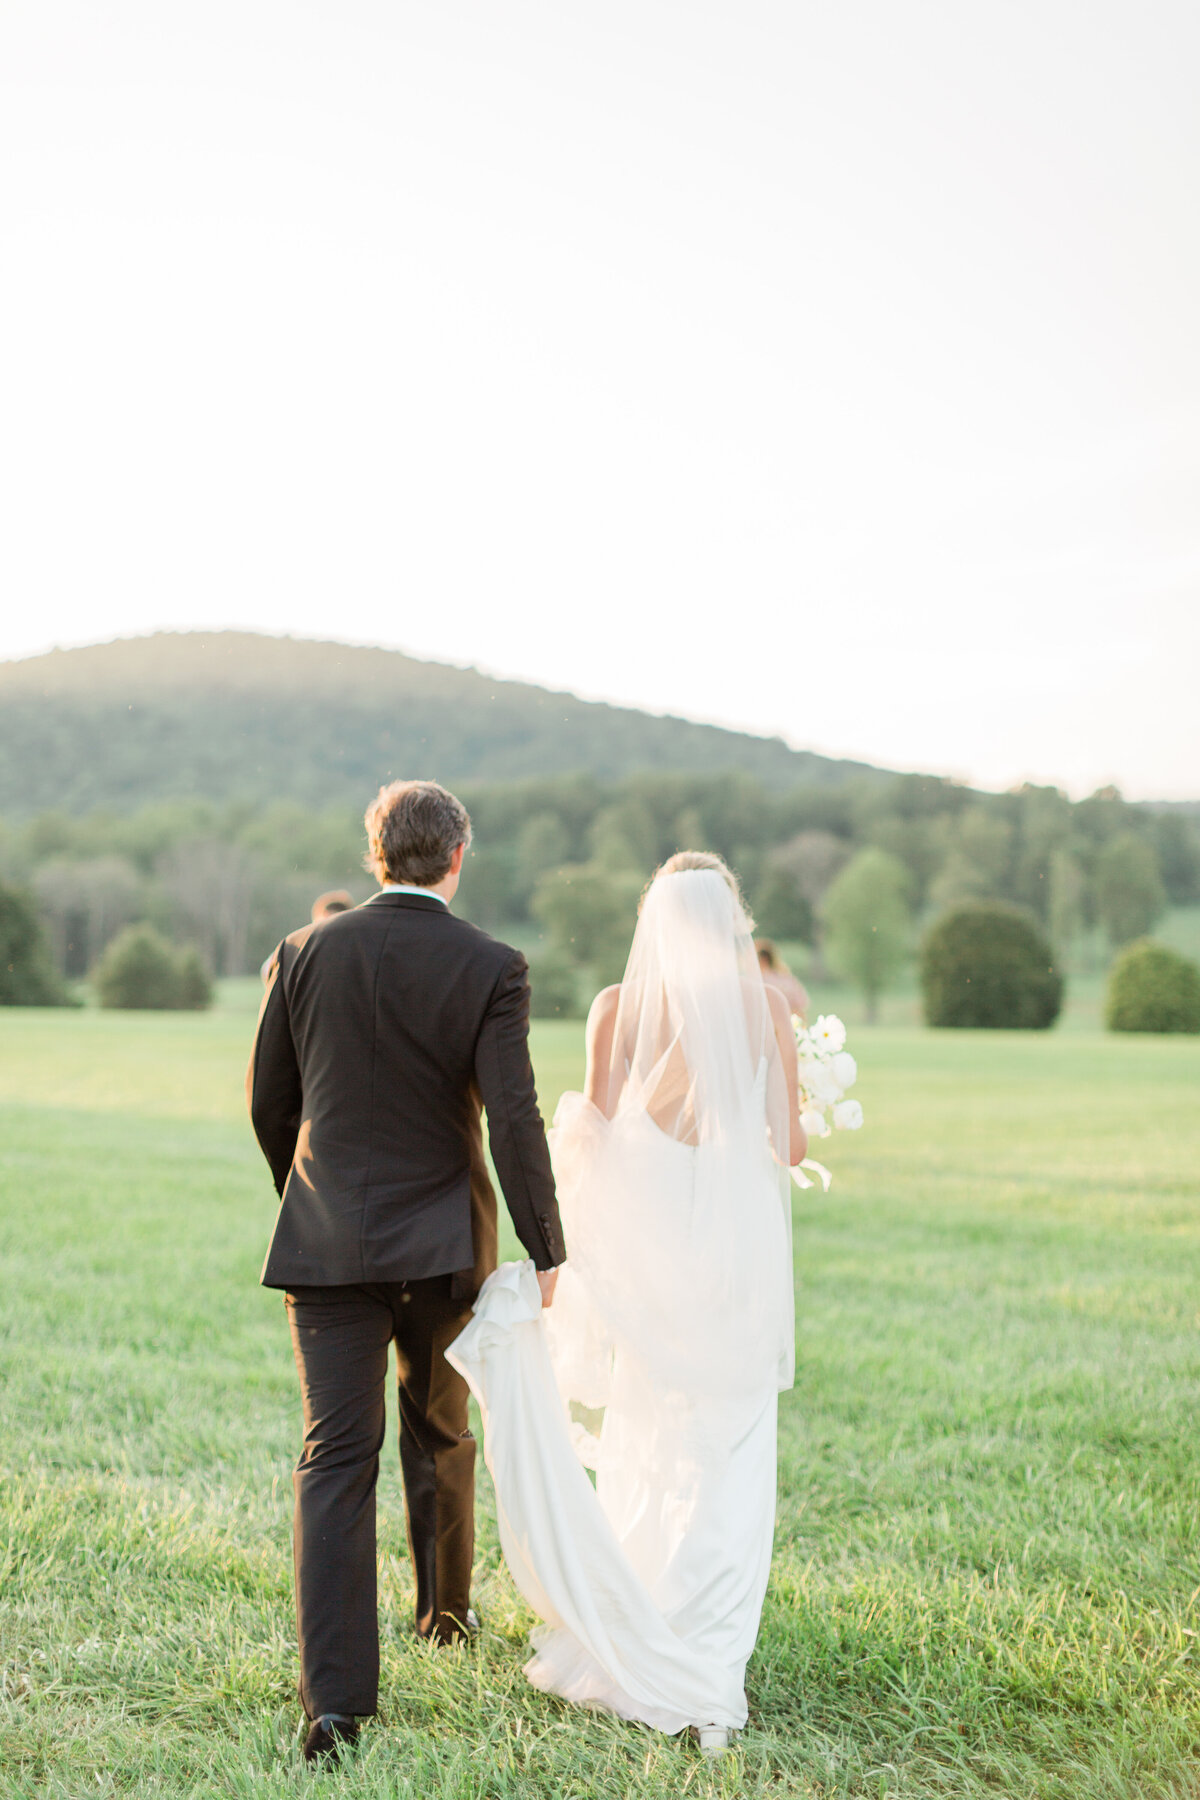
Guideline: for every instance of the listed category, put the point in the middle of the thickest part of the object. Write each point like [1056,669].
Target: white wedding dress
[673,1317]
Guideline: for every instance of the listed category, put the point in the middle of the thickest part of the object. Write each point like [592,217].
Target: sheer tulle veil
[677,1205]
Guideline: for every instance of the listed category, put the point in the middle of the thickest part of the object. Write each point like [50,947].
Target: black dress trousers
[341,1337]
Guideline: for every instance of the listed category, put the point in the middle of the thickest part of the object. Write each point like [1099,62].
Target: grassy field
[987,1563]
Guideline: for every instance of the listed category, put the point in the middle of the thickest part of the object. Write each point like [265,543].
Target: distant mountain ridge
[236,715]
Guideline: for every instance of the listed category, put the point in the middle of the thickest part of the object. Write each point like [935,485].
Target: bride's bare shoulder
[779,1008]
[601,1024]
[604,1006]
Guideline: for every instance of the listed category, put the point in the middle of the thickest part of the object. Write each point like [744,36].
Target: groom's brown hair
[413,830]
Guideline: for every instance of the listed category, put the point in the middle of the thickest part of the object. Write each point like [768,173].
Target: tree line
[565,859]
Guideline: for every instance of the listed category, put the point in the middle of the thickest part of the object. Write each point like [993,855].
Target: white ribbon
[817,1168]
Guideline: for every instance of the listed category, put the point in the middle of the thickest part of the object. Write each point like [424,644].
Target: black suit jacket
[382,1033]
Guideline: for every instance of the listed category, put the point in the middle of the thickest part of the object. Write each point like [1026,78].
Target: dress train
[669,1654]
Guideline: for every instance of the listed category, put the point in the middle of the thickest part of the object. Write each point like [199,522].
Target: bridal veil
[677,1206]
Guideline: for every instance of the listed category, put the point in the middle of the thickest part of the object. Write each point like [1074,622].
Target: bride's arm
[781,1019]
[601,1023]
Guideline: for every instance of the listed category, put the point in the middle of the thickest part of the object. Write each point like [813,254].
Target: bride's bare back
[670,1105]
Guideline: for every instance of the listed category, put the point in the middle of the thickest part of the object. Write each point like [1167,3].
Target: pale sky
[828,367]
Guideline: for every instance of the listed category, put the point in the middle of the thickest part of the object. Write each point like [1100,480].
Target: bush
[1129,892]
[988,966]
[554,987]
[195,986]
[141,971]
[1152,988]
[27,974]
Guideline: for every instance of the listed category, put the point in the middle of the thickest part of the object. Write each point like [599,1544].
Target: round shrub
[1151,988]
[195,988]
[988,966]
[140,970]
[27,973]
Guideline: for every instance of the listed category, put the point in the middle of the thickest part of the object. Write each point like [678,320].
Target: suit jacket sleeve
[515,1130]
[273,1090]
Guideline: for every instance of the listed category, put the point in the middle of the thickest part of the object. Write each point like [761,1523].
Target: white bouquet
[827,1073]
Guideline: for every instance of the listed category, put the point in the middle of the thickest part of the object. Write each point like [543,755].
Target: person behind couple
[382,1032]
[776,974]
[324,907]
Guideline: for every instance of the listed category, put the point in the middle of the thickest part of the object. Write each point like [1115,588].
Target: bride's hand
[547,1281]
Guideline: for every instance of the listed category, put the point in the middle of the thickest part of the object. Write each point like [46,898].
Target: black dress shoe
[328,1735]
[449,1631]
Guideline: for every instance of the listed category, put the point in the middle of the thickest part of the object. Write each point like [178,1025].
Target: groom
[380,1036]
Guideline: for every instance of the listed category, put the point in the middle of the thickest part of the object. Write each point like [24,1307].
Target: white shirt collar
[399,887]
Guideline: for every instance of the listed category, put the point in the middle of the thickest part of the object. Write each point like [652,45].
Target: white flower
[814,1124]
[820,1083]
[848,1115]
[845,1070]
[828,1034]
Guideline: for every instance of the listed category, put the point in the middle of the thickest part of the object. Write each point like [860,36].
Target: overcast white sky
[828,366]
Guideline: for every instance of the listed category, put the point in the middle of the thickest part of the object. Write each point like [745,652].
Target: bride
[671,1332]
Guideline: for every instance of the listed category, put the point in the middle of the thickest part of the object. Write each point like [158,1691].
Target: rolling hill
[234,715]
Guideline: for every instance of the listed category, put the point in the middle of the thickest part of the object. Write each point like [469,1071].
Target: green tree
[1066,900]
[1177,841]
[780,909]
[689,832]
[589,911]
[813,860]
[867,923]
[542,843]
[957,881]
[1042,822]
[987,840]
[211,885]
[920,844]
[623,836]
[732,809]
[491,884]
[27,974]
[85,902]
[554,986]
[978,858]
[1130,895]
[808,863]
[289,837]
[1102,815]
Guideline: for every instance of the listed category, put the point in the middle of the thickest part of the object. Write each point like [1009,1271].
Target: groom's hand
[547,1280]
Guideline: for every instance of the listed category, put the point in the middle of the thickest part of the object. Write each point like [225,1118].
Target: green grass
[987,1562]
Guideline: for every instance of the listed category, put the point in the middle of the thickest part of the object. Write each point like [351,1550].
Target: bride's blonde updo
[684,861]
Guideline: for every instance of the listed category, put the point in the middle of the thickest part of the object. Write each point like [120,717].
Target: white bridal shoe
[714,1739]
